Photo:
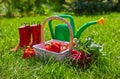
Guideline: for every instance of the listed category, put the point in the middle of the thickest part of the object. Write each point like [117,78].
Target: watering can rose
[101,21]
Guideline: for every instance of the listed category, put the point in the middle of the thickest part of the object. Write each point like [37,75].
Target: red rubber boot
[35,31]
[24,36]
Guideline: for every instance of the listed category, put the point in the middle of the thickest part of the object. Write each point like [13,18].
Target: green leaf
[89,46]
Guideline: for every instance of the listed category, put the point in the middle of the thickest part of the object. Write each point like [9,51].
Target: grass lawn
[13,66]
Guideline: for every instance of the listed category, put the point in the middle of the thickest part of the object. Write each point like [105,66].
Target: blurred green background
[13,8]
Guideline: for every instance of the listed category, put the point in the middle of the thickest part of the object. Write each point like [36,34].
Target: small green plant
[89,46]
[85,52]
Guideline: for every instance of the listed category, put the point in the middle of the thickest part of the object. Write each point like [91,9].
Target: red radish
[84,56]
[74,52]
[78,55]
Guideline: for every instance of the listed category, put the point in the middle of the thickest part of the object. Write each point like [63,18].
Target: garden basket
[40,48]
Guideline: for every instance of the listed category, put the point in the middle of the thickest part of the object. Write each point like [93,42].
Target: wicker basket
[40,48]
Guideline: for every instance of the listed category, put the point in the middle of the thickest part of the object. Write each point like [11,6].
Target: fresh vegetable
[48,47]
[78,56]
[56,43]
[56,46]
[28,53]
[86,51]
[74,52]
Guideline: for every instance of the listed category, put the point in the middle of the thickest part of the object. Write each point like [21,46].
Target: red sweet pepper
[48,47]
[55,47]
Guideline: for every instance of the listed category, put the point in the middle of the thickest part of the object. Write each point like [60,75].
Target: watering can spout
[101,21]
[86,25]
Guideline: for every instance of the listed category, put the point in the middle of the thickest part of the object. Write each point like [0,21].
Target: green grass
[13,66]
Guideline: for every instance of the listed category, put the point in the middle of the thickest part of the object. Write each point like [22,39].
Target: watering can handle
[63,16]
[57,18]
[71,19]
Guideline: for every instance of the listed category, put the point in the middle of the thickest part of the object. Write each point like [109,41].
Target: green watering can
[62,33]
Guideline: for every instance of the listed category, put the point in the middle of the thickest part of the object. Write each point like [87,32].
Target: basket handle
[57,18]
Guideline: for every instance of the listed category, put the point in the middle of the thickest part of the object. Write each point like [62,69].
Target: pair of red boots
[25,34]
